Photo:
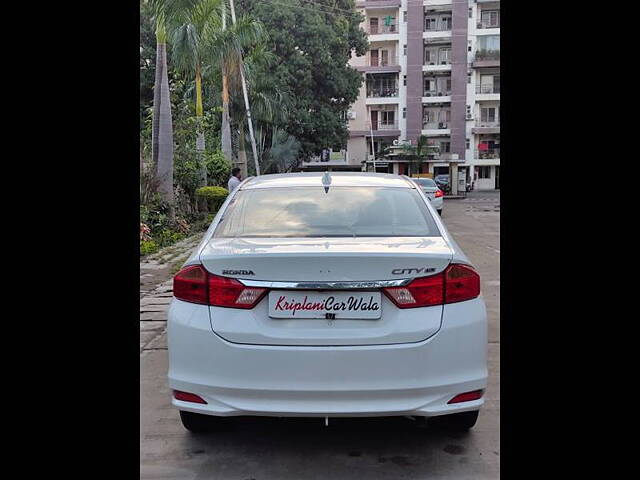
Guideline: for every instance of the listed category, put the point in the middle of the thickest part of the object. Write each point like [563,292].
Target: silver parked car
[431,190]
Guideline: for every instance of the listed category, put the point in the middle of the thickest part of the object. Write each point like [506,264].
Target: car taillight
[461,283]
[455,284]
[439,193]
[421,292]
[191,285]
[229,292]
[195,285]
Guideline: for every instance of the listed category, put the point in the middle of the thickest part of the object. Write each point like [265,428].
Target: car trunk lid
[325,261]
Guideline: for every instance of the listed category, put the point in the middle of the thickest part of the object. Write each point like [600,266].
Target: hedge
[215,196]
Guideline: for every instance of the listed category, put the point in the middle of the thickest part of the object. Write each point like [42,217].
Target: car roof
[338,179]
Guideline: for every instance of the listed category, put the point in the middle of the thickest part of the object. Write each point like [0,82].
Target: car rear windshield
[339,212]
[425,182]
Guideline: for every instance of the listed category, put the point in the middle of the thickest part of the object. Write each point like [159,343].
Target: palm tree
[188,21]
[269,105]
[162,128]
[226,47]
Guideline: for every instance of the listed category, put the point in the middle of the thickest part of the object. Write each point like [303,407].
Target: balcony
[380,63]
[486,23]
[387,126]
[381,29]
[437,93]
[487,58]
[437,26]
[437,58]
[381,90]
[488,154]
[487,89]
[486,127]
[430,125]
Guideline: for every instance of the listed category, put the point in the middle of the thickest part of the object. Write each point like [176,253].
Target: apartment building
[433,68]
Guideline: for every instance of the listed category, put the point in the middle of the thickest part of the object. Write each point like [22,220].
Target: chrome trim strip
[325,285]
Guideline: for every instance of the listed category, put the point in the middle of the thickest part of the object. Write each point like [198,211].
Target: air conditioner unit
[351,115]
[395,142]
[443,125]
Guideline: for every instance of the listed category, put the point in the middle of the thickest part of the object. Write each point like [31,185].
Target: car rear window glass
[339,212]
[425,182]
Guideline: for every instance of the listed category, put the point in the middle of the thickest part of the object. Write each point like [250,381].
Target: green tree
[313,43]
[226,48]
[188,22]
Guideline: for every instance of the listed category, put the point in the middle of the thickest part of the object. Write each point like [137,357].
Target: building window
[488,47]
[489,83]
[470,13]
[468,78]
[387,118]
[445,147]
[445,116]
[404,112]
[404,50]
[428,117]
[467,144]
[404,16]
[488,115]
[490,18]
[429,86]
[484,172]
[445,56]
[405,80]
[430,24]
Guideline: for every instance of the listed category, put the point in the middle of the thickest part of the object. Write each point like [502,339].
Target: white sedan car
[432,191]
[335,295]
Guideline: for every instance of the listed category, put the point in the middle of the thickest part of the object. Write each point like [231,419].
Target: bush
[218,168]
[148,247]
[155,214]
[168,237]
[156,229]
[215,196]
[212,192]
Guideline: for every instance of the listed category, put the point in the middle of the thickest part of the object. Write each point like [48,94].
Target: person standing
[234,181]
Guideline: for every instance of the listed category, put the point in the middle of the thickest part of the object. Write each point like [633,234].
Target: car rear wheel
[198,423]
[457,422]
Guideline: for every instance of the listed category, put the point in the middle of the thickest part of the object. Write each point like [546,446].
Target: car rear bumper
[377,380]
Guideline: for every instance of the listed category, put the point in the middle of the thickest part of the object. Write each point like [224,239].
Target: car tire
[198,423]
[440,212]
[457,422]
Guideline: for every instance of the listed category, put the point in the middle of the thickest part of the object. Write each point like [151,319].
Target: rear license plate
[306,304]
